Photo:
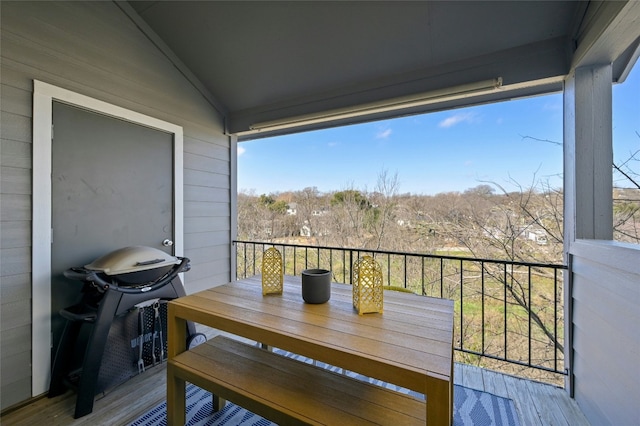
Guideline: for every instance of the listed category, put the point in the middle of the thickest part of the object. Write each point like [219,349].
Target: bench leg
[176,399]
[266,347]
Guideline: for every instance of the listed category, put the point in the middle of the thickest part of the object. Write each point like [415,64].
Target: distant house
[403,223]
[306,231]
[293,209]
[537,235]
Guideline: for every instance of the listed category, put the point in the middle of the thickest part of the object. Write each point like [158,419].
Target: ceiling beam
[608,29]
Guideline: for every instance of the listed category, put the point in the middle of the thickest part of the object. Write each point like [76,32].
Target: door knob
[167,243]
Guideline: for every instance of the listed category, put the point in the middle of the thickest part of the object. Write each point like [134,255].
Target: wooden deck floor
[536,403]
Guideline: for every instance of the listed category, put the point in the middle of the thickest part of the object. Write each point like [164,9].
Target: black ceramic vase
[316,285]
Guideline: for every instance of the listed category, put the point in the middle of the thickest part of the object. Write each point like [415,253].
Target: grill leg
[62,360]
[94,351]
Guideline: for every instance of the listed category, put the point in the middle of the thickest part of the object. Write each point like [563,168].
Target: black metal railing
[506,311]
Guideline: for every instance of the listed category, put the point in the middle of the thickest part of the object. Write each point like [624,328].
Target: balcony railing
[508,315]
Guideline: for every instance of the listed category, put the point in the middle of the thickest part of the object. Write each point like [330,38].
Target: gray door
[112,187]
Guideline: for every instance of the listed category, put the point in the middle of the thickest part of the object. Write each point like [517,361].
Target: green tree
[351,197]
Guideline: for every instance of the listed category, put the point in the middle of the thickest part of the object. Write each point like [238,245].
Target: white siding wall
[606,300]
[94,49]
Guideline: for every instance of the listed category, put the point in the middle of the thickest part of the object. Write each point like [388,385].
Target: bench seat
[290,392]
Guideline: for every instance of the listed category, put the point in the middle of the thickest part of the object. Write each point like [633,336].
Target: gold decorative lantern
[367,286]
[272,273]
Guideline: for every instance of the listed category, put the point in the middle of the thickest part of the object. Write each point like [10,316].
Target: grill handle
[76,273]
[105,285]
[149,262]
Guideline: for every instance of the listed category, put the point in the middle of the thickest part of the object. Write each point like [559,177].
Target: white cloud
[241,151]
[383,134]
[465,117]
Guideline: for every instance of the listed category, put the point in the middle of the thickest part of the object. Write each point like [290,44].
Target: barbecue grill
[124,300]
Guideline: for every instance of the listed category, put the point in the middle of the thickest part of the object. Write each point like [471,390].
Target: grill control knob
[167,243]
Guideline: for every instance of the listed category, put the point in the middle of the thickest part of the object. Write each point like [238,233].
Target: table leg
[218,403]
[451,382]
[176,387]
[439,402]
[176,333]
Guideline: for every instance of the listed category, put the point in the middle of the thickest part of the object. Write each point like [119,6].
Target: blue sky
[437,152]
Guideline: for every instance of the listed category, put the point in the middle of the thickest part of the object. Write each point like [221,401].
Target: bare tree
[307,201]
[248,214]
[507,226]
[349,210]
[385,204]
[626,200]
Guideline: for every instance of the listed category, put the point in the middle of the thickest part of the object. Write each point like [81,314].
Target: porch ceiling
[264,61]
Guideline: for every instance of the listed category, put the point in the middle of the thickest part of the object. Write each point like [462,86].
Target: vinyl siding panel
[207,164]
[204,193]
[16,101]
[15,207]
[198,147]
[206,224]
[205,209]
[210,281]
[17,381]
[94,49]
[15,314]
[606,297]
[205,178]
[15,234]
[205,239]
[18,340]
[15,180]
[12,392]
[15,329]
[206,254]
[217,265]
[15,127]
[14,153]
[15,241]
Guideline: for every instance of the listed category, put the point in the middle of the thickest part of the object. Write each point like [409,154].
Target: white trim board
[43,97]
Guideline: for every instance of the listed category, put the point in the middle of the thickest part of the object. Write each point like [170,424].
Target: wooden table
[410,344]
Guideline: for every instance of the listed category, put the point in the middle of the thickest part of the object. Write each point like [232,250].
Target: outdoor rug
[471,407]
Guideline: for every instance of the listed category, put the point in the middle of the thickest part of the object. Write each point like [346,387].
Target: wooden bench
[290,392]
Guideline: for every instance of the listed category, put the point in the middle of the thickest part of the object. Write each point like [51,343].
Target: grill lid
[132,259]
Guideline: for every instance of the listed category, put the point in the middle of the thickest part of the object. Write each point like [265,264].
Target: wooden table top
[409,344]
